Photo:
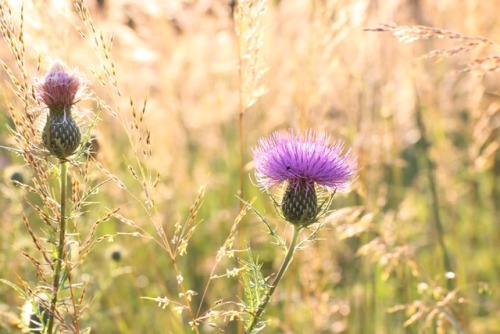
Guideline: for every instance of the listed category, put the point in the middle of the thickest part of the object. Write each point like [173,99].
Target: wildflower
[305,164]
[58,91]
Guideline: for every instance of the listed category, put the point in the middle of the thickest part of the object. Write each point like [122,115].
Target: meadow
[168,230]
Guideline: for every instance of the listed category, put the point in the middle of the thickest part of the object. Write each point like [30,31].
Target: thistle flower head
[58,91]
[304,162]
[60,87]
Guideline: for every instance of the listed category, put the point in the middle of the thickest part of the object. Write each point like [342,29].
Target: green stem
[241,147]
[435,198]
[60,248]
[284,266]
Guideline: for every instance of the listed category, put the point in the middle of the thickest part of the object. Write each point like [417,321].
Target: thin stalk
[241,113]
[241,147]
[452,320]
[194,326]
[284,266]
[72,294]
[240,191]
[60,248]
[435,197]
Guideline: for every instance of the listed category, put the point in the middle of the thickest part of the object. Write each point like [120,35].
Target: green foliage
[255,287]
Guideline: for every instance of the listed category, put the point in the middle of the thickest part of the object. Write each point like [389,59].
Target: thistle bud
[300,204]
[61,135]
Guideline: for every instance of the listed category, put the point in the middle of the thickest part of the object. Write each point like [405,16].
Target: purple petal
[59,87]
[291,156]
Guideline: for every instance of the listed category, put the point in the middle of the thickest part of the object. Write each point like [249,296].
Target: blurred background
[425,129]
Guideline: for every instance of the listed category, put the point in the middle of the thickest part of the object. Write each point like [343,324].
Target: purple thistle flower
[59,87]
[303,162]
[58,91]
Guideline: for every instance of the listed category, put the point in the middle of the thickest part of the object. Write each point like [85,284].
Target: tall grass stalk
[434,196]
[241,113]
[281,272]
[60,248]
[248,26]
